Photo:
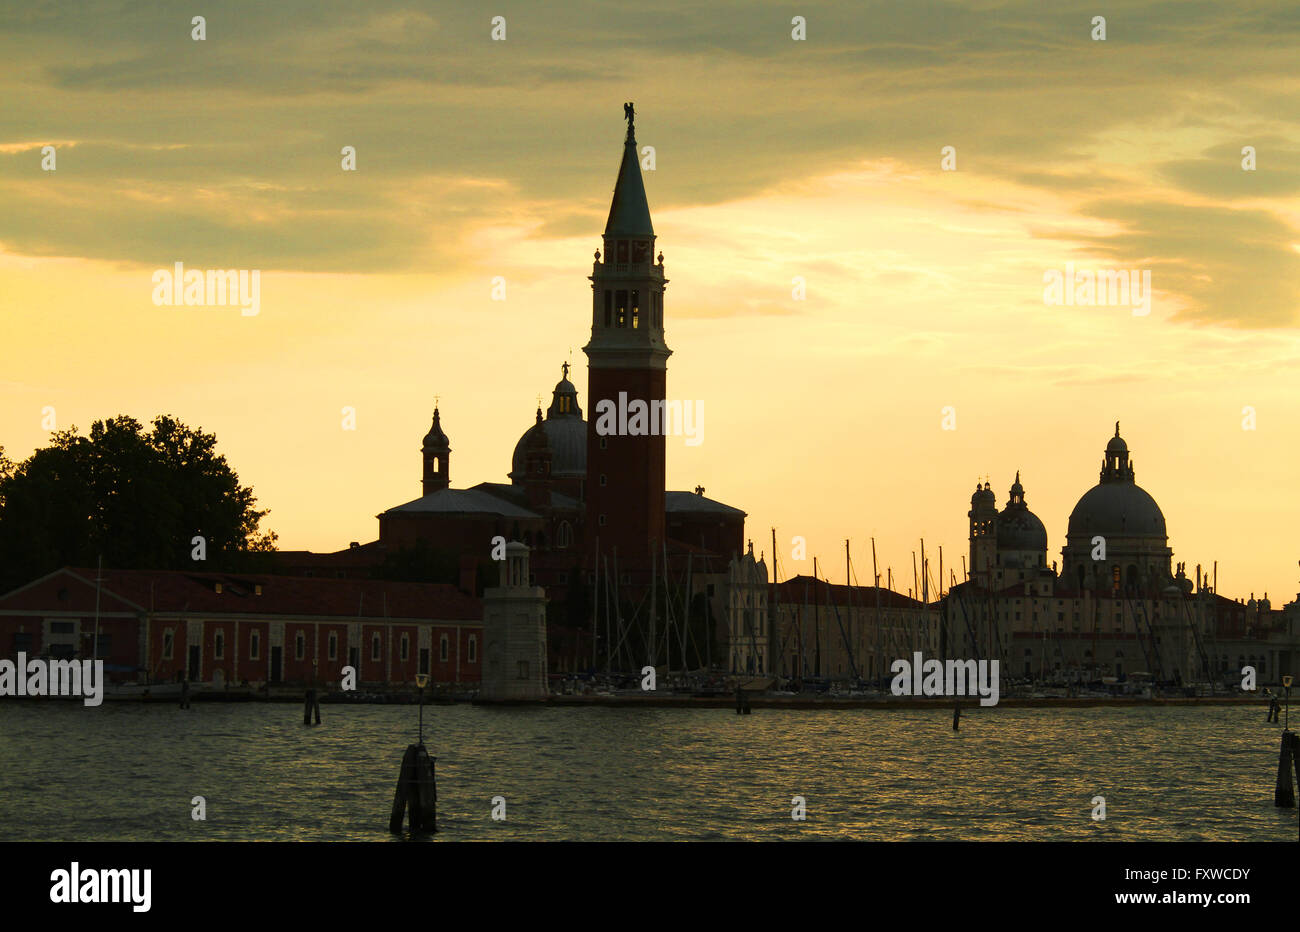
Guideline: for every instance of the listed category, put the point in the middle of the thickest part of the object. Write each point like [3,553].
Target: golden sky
[775,159]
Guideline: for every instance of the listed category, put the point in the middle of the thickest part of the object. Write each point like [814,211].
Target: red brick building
[225,629]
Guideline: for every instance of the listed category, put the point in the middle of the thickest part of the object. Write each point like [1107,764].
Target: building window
[636,309]
[104,647]
[23,642]
[622,252]
[299,646]
[564,536]
[609,306]
[334,645]
[473,648]
[442,648]
[61,627]
[374,647]
[219,645]
[406,646]
[523,669]
[620,308]
[255,645]
[168,643]
[601,521]
[604,443]
[603,480]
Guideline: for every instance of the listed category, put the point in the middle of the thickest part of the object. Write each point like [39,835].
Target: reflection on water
[128,772]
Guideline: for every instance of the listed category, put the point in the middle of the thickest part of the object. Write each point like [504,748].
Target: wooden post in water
[185,693]
[311,703]
[956,716]
[417,789]
[1284,795]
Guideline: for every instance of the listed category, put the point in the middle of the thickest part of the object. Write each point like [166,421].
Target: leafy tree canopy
[135,497]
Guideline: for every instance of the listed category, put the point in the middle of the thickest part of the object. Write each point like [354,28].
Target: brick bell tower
[626,363]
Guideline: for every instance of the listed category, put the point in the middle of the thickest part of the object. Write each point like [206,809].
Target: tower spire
[629,211]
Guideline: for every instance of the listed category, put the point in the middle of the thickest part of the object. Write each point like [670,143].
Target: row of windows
[620,312]
[300,646]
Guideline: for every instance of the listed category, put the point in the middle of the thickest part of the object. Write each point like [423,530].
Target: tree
[137,498]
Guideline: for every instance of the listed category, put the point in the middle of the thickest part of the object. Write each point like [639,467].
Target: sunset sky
[775,159]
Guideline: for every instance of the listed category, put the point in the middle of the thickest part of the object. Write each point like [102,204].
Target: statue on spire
[629,114]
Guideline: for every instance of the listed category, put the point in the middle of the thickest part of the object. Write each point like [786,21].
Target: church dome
[1117,506]
[1018,527]
[563,430]
[1117,509]
[567,438]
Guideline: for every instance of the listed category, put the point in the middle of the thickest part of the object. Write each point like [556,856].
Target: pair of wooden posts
[742,702]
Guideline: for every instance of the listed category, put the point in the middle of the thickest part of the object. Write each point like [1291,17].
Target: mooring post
[417,789]
[185,693]
[310,704]
[956,716]
[1284,795]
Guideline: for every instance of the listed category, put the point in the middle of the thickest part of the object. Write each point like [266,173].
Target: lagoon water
[128,772]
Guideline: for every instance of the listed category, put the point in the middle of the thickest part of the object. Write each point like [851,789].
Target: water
[128,771]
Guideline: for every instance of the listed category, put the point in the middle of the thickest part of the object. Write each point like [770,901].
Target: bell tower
[436,452]
[627,363]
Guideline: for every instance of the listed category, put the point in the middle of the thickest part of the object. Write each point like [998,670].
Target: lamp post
[421,680]
[1286,681]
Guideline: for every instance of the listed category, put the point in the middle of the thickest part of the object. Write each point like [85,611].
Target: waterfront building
[224,629]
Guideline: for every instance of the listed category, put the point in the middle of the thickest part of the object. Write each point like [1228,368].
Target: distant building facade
[221,629]
[1116,608]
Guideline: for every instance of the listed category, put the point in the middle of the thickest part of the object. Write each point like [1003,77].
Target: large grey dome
[567,438]
[1117,509]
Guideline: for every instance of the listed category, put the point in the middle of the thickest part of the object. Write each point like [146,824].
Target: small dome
[1018,527]
[1117,444]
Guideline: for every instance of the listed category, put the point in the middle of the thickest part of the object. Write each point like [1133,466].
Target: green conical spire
[629,212]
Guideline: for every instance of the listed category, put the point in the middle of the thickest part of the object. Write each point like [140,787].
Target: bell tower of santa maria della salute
[627,361]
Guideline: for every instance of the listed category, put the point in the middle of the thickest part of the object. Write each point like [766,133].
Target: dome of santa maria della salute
[1116,533]
[1117,506]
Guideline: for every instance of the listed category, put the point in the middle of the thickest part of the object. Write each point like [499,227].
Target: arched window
[219,645]
[442,648]
[374,646]
[564,536]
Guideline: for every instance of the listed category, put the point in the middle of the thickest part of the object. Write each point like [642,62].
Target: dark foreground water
[127,771]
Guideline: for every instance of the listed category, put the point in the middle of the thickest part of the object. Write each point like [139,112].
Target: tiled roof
[462,501]
[163,591]
[798,588]
[691,502]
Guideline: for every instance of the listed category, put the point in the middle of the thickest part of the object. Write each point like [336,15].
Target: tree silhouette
[137,498]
